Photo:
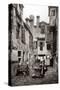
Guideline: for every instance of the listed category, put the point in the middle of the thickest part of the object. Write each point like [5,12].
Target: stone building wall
[20,32]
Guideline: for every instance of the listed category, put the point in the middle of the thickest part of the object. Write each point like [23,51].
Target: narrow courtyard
[50,77]
[33,53]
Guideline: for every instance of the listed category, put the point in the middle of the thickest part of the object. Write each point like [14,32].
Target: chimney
[27,21]
[31,21]
[37,20]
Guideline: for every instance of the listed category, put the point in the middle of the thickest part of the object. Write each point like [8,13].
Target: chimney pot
[38,20]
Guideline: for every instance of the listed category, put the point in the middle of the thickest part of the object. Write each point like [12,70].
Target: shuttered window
[23,35]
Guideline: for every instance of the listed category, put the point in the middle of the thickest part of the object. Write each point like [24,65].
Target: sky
[36,10]
[36,7]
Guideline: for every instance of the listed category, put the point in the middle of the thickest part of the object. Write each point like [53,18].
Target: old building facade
[53,22]
[41,44]
[21,38]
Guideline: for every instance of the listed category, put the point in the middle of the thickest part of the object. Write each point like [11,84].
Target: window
[23,55]
[19,53]
[23,35]
[17,30]
[48,46]
[19,56]
[41,45]
[52,12]
[19,59]
[42,29]
[41,48]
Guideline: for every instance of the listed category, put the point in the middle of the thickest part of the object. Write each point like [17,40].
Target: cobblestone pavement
[51,76]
